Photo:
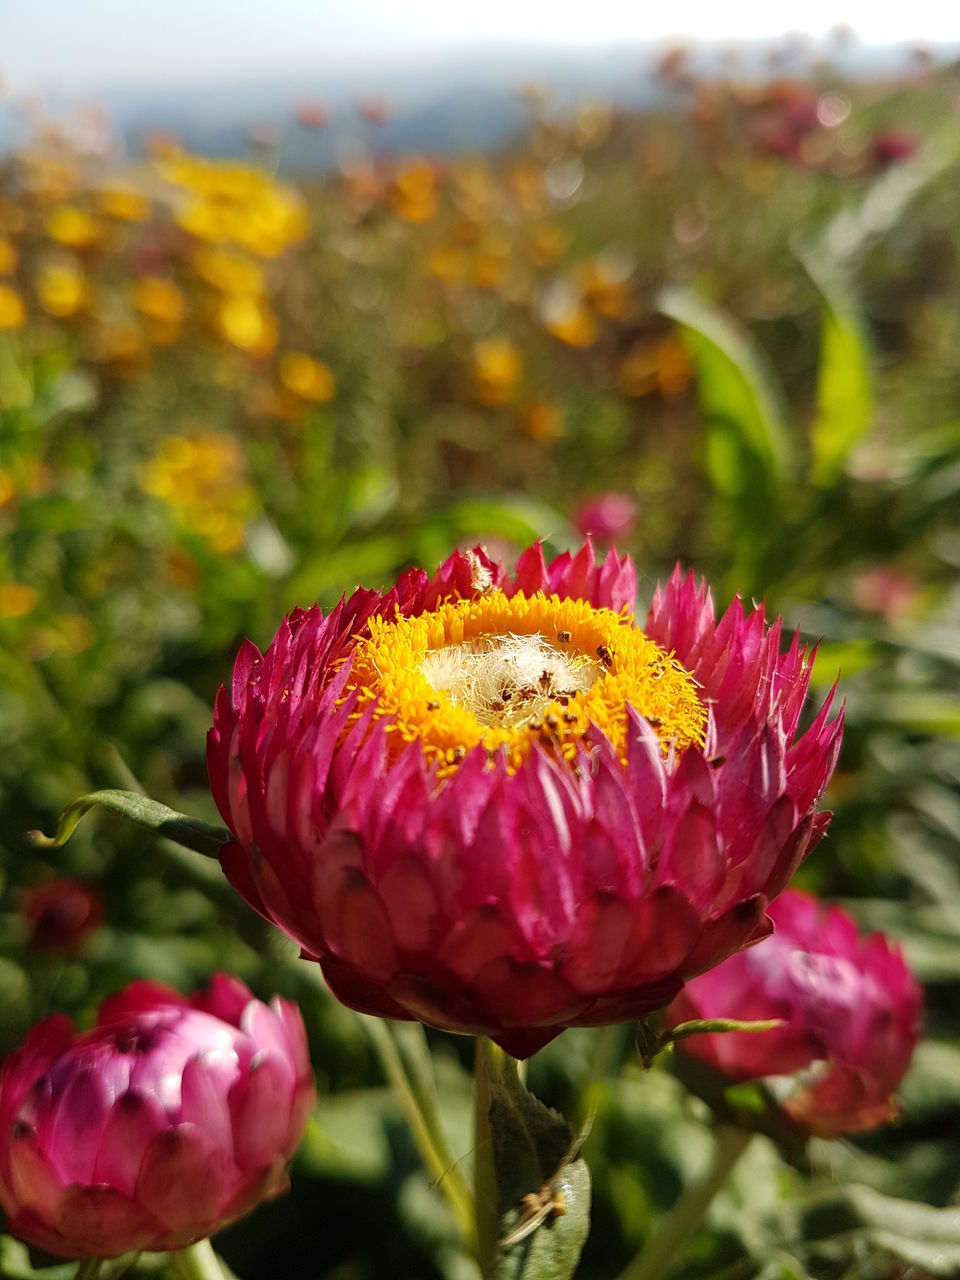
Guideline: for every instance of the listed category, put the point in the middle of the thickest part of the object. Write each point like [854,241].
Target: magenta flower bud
[61,913]
[171,1118]
[495,804]
[851,1010]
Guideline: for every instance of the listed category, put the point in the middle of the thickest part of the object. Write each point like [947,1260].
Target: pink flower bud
[171,1118]
[494,803]
[61,913]
[610,517]
[851,1010]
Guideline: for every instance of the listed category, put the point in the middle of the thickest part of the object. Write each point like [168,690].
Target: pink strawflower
[885,589]
[851,1009]
[491,803]
[894,146]
[61,913]
[171,1118]
[609,517]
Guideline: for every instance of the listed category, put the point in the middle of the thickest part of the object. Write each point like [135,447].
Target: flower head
[170,1118]
[61,913]
[851,1011]
[495,804]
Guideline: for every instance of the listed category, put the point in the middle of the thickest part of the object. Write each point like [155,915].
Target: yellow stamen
[506,672]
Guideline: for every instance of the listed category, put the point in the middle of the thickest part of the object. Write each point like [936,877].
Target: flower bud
[171,1118]
[850,1008]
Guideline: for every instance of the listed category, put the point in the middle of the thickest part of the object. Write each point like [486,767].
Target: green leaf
[533,1187]
[15,1264]
[916,1233]
[932,1084]
[737,394]
[347,1139]
[150,814]
[652,1040]
[844,392]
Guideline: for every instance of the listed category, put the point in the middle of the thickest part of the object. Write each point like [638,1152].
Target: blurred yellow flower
[228,271]
[305,377]
[236,204]
[8,488]
[202,478]
[549,242]
[71,226]
[448,263]
[675,368]
[543,421]
[604,284]
[489,265]
[275,221]
[566,318]
[8,258]
[116,343]
[662,365]
[126,204]
[62,287]
[17,599]
[497,369]
[13,314]
[637,371]
[159,299]
[414,191]
[248,324]
[526,183]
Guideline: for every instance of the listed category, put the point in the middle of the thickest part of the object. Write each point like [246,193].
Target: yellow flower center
[510,672]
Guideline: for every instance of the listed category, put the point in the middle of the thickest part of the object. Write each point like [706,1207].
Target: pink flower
[894,146]
[608,516]
[61,913]
[492,803]
[170,1118]
[851,1008]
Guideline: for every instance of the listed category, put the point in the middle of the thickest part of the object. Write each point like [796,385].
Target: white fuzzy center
[507,681]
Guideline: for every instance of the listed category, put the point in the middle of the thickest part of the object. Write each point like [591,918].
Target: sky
[79,45]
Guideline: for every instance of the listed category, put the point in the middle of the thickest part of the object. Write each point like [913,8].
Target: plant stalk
[488,1060]
[197,1262]
[88,1269]
[416,1096]
[676,1229]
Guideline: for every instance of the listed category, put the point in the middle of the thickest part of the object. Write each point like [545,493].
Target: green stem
[676,1230]
[419,1109]
[197,1262]
[88,1269]
[489,1060]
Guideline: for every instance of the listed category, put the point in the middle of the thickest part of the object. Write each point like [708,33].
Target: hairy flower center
[508,681]
[506,672]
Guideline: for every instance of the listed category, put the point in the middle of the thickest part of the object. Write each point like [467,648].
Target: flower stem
[488,1057]
[197,1262]
[675,1231]
[417,1097]
[88,1269]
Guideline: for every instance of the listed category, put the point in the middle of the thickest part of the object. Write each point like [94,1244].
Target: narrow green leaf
[144,812]
[652,1040]
[708,1026]
[737,392]
[844,392]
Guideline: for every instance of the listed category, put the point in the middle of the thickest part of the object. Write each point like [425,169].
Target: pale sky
[90,44]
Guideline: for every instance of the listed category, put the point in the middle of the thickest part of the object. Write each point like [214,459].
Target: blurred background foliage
[223,394]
